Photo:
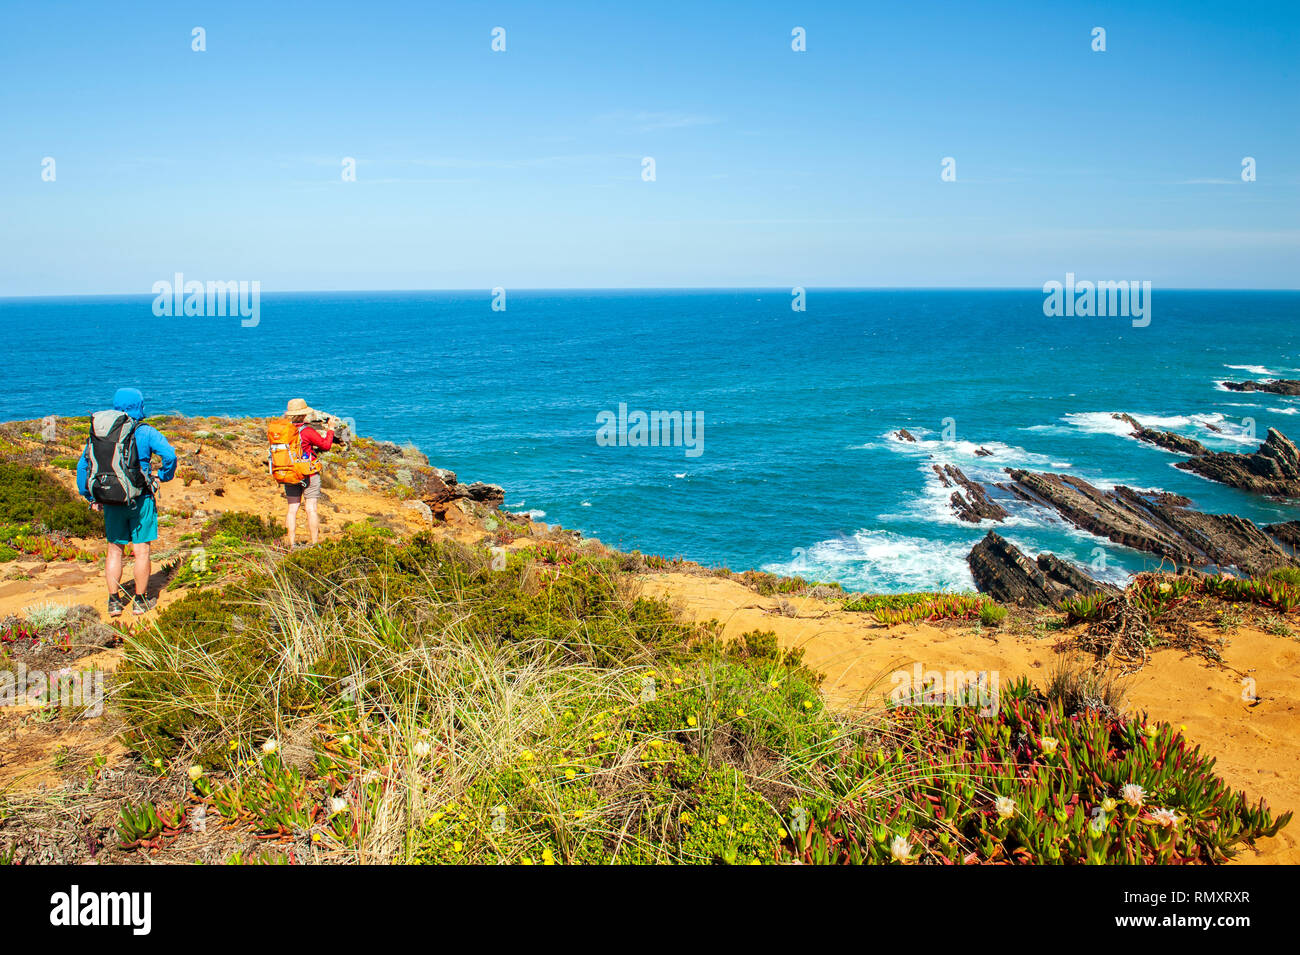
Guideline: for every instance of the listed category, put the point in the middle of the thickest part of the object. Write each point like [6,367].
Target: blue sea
[798,471]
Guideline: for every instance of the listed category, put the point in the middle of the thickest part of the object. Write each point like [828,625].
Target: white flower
[1006,807]
[422,749]
[195,773]
[1048,744]
[900,849]
[1133,794]
[270,746]
[338,805]
[1165,817]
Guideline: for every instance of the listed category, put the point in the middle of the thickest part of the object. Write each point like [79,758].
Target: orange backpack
[285,459]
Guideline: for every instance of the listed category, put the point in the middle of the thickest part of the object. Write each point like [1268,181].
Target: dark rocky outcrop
[492,495]
[1168,440]
[1159,524]
[1006,574]
[1273,470]
[1274,386]
[902,434]
[438,488]
[1288,532]
[971,502]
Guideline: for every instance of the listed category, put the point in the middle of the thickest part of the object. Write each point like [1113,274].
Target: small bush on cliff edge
[29,495]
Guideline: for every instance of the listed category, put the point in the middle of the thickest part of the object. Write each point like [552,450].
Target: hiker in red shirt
[308,491]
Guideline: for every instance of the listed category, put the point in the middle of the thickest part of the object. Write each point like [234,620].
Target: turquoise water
[796,471]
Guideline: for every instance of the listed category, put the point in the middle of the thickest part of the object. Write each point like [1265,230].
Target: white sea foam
[883,561]
[1253,369]
[1208,427]
[963,453]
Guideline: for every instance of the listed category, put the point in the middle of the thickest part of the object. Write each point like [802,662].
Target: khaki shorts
[308,490]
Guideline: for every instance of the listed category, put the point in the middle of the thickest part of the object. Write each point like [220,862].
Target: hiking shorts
[134,523]
[308,490]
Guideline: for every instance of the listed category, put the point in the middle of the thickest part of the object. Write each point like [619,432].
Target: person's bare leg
[313,519]
[142,569]
[291,522]
[113,568]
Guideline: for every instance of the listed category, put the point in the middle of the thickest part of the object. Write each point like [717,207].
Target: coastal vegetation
[418,698]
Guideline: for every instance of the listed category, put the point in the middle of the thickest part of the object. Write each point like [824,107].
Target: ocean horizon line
[646,289]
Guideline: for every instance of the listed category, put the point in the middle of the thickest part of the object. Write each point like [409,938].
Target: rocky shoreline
[1164,525]
[1273,470]
[1273,386]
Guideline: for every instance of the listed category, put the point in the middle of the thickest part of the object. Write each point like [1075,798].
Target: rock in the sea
[904,435]
[971,502]
[1006,574]
[1168,440]
[1160,524]
[1273,470]
[1275,386]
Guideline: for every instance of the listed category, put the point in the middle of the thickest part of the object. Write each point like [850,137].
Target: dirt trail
[1257,746]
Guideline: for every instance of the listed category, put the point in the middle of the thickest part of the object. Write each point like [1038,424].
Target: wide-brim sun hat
[296,407]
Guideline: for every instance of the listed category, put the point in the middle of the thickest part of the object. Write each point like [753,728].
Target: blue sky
[523,169]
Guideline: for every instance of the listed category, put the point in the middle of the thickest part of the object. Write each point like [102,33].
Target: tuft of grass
[46,616]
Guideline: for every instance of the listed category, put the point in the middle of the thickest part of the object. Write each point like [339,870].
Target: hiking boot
[115,606]
[142,604]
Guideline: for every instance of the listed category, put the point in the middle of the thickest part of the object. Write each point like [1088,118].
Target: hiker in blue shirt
[135,522]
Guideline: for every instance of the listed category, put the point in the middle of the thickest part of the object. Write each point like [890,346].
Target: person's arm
[155,443]
[312,437]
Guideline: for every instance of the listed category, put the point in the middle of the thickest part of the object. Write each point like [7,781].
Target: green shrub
[1286,575]
[992,615]
[29,495]
[247,527]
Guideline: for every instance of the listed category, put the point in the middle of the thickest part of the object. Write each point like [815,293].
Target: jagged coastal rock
[1168,440]
[971,502]
[1273,470]
[1288,532]
[1006,574]
[1275,386]
[1160,524]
